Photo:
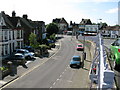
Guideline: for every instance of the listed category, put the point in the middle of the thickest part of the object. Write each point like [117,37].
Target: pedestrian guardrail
[100,73]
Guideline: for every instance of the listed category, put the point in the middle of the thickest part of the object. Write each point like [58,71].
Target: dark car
[18,58]
[75,61]
[29,48]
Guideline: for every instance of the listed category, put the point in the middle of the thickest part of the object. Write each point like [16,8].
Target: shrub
[3,68]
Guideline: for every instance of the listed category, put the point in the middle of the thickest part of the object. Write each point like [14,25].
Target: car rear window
[117,42]
[76,59]
[79,45]
[20,52]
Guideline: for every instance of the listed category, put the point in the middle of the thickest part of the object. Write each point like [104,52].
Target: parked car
[29,48]
[75,61]
[80,47]
[51,43]
[115,53]
[26,53]
[18,58]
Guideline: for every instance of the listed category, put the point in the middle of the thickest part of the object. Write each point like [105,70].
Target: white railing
[100,73]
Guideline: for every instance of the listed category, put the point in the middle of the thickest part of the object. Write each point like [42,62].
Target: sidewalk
[30,65]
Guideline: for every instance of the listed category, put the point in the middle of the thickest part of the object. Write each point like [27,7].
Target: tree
[33,40]
[52,28]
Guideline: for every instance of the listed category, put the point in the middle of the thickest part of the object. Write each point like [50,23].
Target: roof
[79,44]
[14,21]
[19,54]
[26,23]
[7,21]
[115,28]
[76,56]
[86,22]
[60,20]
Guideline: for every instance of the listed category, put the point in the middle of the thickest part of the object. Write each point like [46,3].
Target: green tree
[33,40]
[52,28]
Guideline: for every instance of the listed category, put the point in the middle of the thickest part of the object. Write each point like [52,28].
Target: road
[107,42]
[55,72]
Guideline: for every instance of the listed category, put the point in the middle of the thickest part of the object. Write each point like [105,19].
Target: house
[82,25]
[15,31]
[111,31]
[36,27]
[74,28]
[11,34]
[86,22]
[39,29]
[27,27]
[62,24]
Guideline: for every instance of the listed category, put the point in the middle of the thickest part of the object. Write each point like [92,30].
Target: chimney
[3,12]
[70,22]
[25,16]
[13,14]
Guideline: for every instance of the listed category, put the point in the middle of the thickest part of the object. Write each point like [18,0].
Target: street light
[98,24]
[84,53]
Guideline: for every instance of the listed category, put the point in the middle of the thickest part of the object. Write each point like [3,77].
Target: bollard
[10,66]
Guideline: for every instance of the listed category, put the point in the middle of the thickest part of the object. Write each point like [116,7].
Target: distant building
[62,24]
[91,30]
[119,13]
[111,31]
[82,25]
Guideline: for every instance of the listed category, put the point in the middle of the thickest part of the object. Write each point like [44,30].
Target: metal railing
[100,73]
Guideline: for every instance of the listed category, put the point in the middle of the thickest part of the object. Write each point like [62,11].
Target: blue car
[75,61]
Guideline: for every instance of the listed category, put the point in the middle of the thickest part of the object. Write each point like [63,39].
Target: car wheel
[71,66]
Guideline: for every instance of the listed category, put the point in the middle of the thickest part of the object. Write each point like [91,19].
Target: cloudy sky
[71,10]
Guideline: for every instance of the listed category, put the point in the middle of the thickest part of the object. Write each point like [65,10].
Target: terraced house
[11,36]
[15,31]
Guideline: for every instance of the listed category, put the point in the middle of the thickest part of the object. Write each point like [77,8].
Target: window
[6,35]
[9,35]
[18,34]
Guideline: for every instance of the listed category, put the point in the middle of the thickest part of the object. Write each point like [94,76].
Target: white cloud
[113,10]
[98,1]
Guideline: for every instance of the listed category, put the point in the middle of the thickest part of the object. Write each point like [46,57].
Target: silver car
[26,53]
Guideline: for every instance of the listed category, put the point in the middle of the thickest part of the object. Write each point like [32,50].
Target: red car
[80,47]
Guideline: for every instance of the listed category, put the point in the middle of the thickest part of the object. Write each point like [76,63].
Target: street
[55,72]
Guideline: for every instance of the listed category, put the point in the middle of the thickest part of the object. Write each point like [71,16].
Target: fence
[100,74]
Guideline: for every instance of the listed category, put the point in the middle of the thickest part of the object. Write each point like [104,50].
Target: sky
[71,10]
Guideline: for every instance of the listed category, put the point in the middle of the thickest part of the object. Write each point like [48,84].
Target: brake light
[118,50]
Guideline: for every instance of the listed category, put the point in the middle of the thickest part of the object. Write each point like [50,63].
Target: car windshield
[20,52]
[76,59]
[117,42]
[18,56]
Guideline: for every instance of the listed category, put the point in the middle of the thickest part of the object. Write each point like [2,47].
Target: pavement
[29,66]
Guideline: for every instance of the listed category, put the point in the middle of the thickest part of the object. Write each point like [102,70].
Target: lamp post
[84,53]
[98,24]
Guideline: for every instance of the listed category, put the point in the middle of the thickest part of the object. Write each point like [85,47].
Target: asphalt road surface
[55,72]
